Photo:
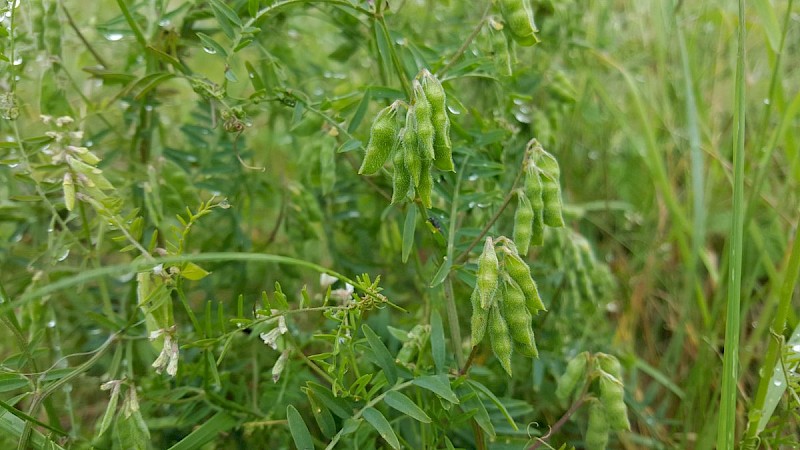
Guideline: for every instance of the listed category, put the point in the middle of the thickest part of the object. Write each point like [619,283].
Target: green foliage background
[254,115]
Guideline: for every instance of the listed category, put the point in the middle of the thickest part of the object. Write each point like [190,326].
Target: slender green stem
[465,254]
[460,52]
[450,303]
[137,32]
[773,350]
[726,431]
[371,403]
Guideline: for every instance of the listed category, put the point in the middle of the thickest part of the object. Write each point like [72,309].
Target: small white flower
[271,337]
[326,280]
[64,120]
[158,270]
[45,118]
[343,294]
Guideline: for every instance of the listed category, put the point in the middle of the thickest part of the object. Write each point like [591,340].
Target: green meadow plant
[324,224]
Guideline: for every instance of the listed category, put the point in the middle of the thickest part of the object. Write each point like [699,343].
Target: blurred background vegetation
[634,98]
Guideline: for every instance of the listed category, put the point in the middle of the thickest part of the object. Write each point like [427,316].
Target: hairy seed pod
[610,365]
[443,149]
[425,187]
[500,46]
[612,395]
[521,274]
[523,223]
[423,113]
[501,342]
[598,428]
[519,17]
[528,351]
[401,179]
[488,274]
[410,142]
[551,188]
[517,316]
[576,370]
[533,190]
[382,140]
[69,191]
[479,320]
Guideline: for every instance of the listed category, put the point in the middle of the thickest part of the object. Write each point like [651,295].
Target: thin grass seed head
[382,140]
[488,273]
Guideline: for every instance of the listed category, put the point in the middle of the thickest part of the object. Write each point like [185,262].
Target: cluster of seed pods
[422,143]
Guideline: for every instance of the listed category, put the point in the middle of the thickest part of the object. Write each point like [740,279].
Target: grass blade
[726,432]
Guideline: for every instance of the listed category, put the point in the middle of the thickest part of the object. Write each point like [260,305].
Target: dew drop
[209,50]
[113,36]
[796,348]
[777,383]
[473,177]
[164,23]
[63,255]
[18,61]
[766,101]
[51,324]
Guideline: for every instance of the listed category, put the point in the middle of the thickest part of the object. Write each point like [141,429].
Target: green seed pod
[401,179]
[542,127]
[610,365]
[410,141]
[598,428]
[500,46]
[612,394]
[479,320]
[501,341]
[425,187]
[443,149]
[521,274]
[423,113]
[517,316]
[519,17]
[551,189]
[533,190]
[523,223]
[69,191]
[576,370]
[488,274]
[382,140]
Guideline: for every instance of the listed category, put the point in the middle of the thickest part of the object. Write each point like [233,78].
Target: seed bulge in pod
[443,149]
[382,140]
[575,371]
[523,223]
[411,152]
[488,274]
[521,273]
[516,313]
[612,395]
[401,179]
[533,190]
[520,20]
[551,187]
[479,320]
[425,187]
[501,341]
[598,428]
[423,116]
